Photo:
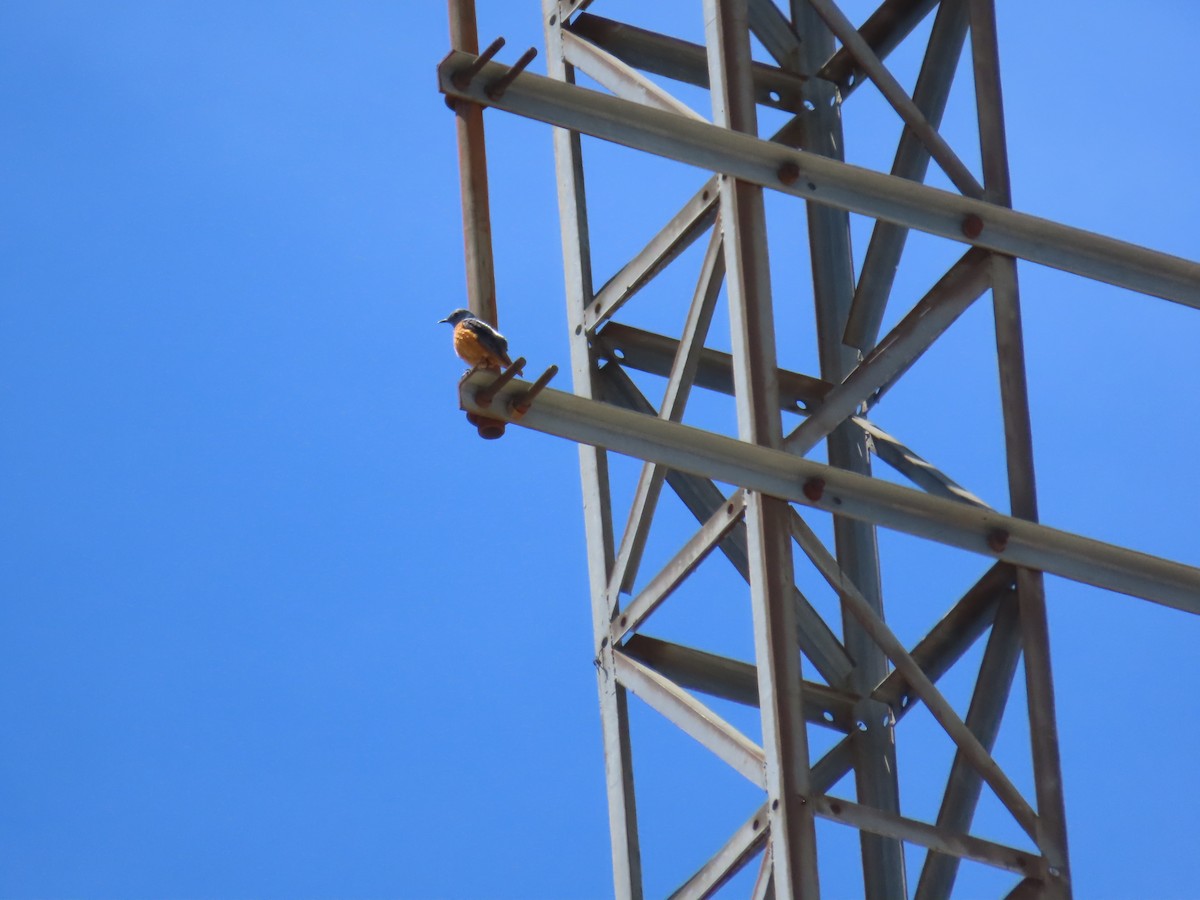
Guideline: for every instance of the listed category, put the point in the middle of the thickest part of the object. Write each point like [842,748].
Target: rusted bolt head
[814,489]
[788,173]
[489,429]
[997,539]
[972,226]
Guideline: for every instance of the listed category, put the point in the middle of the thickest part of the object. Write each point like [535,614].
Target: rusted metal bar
[692,717]
[733,856]
[485,395]
[462,78]
[473,184]
[495,89]
[519,405]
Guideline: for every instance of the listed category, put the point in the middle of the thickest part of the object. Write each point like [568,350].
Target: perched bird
[477,342]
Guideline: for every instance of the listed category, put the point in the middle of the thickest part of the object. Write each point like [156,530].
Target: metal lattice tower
[855,676]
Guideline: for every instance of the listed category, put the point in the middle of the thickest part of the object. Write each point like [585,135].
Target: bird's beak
[440,321]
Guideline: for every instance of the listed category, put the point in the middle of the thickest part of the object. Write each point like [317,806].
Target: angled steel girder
[781,474]
[833,183]
[870,676]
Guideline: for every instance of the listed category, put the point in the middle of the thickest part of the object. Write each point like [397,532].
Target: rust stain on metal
[997,539]
[814,489]
[972,226]
[788,173]
[489,429]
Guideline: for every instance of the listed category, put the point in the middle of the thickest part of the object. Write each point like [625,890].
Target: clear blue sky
[276,624]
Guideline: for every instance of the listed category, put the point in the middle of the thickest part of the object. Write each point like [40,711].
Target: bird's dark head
[457,316]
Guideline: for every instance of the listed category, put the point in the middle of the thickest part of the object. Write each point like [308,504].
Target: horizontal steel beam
[737,681]
[779,474]
[954,843]
[830,182]
[682,60]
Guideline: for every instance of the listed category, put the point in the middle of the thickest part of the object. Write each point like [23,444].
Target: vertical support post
[1014,396]
[857,552]
[593,466]
[472,168]
[743,220]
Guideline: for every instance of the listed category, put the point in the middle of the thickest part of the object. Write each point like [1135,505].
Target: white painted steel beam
[828,181]
[692,717]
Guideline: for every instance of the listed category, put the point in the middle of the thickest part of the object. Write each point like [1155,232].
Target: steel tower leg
[857,551]
[872,680]
[593,465]
[743,218]
[1039,683]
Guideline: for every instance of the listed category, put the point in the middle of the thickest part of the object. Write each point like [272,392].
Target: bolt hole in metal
[579,329]
[774,96]
[809,105]
[827,716]
[618,354]
[553,19]
[862,726]
[904,702]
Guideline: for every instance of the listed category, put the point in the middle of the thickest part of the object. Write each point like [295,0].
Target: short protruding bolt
[462,79]
[496,89]
[972,226]
[788,173]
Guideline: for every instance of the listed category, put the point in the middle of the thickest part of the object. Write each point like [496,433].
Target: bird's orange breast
[467,346]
